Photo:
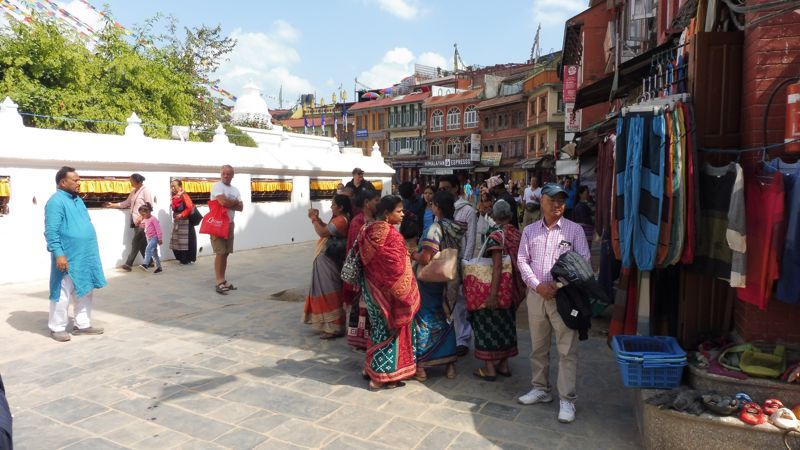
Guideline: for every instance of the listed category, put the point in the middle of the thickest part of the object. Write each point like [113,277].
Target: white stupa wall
[31,157]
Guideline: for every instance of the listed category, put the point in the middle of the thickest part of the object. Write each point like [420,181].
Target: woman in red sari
[358,321]
[391,295]
[323,308]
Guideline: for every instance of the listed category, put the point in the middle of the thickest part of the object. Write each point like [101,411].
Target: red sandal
[752,414]
[771,405]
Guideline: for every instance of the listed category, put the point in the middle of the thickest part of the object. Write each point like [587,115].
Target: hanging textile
[678,188]
[693,205]
[764,197]
[665,232]
[788,289]
[605,177]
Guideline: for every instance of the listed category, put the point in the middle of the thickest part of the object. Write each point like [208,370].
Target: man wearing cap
[358,183]
[498,190]
[542,243]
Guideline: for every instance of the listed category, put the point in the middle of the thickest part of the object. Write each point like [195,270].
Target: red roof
[390,101]
[459,97]
[504,100]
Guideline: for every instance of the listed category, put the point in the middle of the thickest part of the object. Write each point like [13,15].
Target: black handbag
[195,217]
[335,247]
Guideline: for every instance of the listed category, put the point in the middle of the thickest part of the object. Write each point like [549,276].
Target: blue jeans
[151,252]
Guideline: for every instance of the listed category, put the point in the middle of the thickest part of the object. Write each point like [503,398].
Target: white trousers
[59,310]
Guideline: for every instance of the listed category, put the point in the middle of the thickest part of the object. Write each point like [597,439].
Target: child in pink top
[152,231]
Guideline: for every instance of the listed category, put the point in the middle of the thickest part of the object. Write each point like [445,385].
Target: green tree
[51,71]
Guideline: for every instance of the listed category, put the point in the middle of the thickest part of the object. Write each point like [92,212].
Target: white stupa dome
[250,106]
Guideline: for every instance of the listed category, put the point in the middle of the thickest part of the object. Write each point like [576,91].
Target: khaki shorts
[223,246]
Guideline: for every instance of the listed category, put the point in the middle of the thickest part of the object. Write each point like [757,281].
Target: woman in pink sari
[390,293]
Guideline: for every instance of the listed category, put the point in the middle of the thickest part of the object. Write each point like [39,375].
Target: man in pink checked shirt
[542,243]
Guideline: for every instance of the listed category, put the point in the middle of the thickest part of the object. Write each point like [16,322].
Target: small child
[152,230]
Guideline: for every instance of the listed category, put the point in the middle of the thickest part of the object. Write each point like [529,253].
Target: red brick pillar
[771,55]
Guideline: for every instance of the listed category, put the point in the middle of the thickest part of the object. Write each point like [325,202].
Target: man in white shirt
[465,213]
[531,199]
[229,197]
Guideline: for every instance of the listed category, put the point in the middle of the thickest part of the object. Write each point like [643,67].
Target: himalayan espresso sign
[448,163]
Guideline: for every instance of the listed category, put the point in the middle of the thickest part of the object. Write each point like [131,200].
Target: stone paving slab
[183,367]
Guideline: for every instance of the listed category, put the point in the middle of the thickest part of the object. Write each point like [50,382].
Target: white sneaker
[566,413]
[536,395]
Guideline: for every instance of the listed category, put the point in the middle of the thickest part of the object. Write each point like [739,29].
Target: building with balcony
[406,119]
[502,129]
[451,122]
[371,118]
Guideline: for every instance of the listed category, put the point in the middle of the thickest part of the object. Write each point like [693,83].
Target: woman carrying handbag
[438,260]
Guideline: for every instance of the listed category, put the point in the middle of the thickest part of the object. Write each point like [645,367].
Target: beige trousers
[545,321]
[528,217]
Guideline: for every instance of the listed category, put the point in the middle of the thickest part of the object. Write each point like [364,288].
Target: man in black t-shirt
[358,183]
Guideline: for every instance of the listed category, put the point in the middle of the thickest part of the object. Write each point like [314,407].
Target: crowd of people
[404,300]
[411,324]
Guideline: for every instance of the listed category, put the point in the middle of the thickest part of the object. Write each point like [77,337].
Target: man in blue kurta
[75,269]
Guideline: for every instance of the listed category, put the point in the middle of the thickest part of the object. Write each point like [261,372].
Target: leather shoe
[60,336]
[462,350]
[88,331]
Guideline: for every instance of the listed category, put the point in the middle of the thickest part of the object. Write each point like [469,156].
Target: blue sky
[316,46]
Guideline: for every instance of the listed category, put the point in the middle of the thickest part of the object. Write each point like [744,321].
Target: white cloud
[397,64]
[265,59]
[404,9]
[556,12]
[85,14]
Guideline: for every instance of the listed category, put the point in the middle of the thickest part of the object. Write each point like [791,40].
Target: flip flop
[395,385]
[771,405]
[480,374]
[752,414]
[375,388]
[229,286]
[784,419]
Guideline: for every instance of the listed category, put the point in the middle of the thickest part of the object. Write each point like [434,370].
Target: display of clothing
[788,289]
[722,209]
[692,201]
[764,198]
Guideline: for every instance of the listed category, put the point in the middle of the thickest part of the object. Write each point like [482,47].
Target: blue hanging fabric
[650,190]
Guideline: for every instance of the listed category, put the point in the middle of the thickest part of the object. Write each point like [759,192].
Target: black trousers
[138,245]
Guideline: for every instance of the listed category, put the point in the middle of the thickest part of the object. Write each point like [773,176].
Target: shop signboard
[362,133]
[475,147]
[567,167]
[491,158]
[448,163]
[570,84]
[572,118]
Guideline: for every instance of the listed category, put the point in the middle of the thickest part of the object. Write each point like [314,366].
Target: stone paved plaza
[181,366]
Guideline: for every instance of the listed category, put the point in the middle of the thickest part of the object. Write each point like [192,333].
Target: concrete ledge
[759,389]
[668,430]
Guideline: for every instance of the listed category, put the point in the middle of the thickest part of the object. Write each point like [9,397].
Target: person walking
[183,242]
[427,216]
[75,268]
[464,214]
[139,196]
[495,324]
[531,199]
[152,231]
[391,296]
[499,191]
[358,183]
[358,325]
[323,308]
[541,245]
[227,196]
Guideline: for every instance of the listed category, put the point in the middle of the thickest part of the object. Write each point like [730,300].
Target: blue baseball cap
[553,189]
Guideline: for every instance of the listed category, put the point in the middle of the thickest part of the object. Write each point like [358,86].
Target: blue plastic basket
[651,375]
[647,347]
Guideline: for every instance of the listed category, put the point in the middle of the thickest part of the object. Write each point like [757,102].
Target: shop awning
[630,76]
[529,163]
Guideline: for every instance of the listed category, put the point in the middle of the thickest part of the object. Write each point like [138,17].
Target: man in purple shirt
[542,243]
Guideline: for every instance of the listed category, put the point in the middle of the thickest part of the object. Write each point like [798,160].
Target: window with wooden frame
[198,189]
[96,191]
[323,189]
[270,190]
[5,194]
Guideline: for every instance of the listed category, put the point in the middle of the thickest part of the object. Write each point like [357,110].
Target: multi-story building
[371,118]
[502,129]
[451,122]
[544,132]
[406,120]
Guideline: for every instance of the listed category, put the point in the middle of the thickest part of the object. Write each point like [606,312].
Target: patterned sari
[495,330]
[184,240]
[323,308]
[392,298]
[436,339]
[358,320]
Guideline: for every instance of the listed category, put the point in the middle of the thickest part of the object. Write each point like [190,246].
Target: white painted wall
[32,156]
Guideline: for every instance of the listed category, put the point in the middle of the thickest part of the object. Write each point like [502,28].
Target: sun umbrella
[369,95]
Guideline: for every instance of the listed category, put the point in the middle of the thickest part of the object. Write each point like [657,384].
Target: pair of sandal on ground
[224,287]
[771,411]
[483,374]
